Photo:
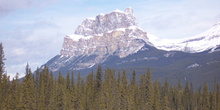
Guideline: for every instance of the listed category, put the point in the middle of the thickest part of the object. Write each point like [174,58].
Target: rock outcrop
[116,33]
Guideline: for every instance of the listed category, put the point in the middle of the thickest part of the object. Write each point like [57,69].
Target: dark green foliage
[44,92]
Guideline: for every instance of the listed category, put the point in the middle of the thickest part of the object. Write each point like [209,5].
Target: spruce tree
[89,91]
[166,103]
[72,91]
[186,97]
[6,85]
[61,96]
[156,96]
[133,92]
[149,91]
[2,64]
[2,71]
[29,91]
[206,101]
[218,96]
[78,93]
[97,87]
[124,91]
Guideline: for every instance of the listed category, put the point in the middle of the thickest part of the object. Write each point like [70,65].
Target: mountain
[209,39]
[116,33]
[114,40]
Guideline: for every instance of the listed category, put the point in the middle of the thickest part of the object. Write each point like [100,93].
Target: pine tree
[149,91]
[2,71]
[5,92]
[218,96]
[72,91]
[186,97]
[166,104]
[191,98]
[13,101]
[89,91]
[97,87]
[165,90]
[42,97]
[78,93]
[199,99]
[61,96]
[124,91]
[37,85]
[2,64]
[133,92]
[118,91]
[206,101]
[68,88]
[141,93]
[156,96]
[52,95]
[179,96]
[29,91]
[82,99]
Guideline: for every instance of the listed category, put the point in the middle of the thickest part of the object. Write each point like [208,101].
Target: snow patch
[169,54]
[91,18]
[76,37]
[119,11]
[92,65]
[193,66]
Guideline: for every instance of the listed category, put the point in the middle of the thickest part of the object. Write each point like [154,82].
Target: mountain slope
[209,39]
[116,33]
[114,40]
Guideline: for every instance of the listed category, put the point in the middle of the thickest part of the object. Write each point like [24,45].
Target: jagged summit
[106,22]
[115,33]
[105,34]
[129,10]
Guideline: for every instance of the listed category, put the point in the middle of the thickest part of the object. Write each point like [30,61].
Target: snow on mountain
[209,39]
[115,33]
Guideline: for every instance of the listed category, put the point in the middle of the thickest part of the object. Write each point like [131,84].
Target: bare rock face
[105,22]
[116,33]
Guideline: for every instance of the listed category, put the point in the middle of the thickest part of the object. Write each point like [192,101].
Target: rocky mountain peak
[106,22]
[115,33]
[129,10]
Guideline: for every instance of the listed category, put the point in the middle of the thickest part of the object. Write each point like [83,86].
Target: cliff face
[106,22]
[115,33]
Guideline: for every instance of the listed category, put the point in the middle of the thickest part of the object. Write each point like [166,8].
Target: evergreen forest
[100,90]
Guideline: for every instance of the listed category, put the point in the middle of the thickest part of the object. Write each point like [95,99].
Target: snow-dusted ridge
[115,33]
[207,40]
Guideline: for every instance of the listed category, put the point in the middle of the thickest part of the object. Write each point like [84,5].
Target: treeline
[101,90]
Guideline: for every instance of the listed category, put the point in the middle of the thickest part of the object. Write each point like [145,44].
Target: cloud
[177,19]
[35,44]
[7,6]
[18,51]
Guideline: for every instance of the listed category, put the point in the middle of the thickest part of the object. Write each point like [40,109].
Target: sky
[32,31]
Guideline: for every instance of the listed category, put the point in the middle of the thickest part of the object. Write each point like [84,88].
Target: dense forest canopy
[100,90]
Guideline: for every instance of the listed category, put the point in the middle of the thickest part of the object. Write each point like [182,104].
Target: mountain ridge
[209,39]
[124,45]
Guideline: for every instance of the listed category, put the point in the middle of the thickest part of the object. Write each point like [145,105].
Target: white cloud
[178,19]
[35,44]
[18,51]
[7,6]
